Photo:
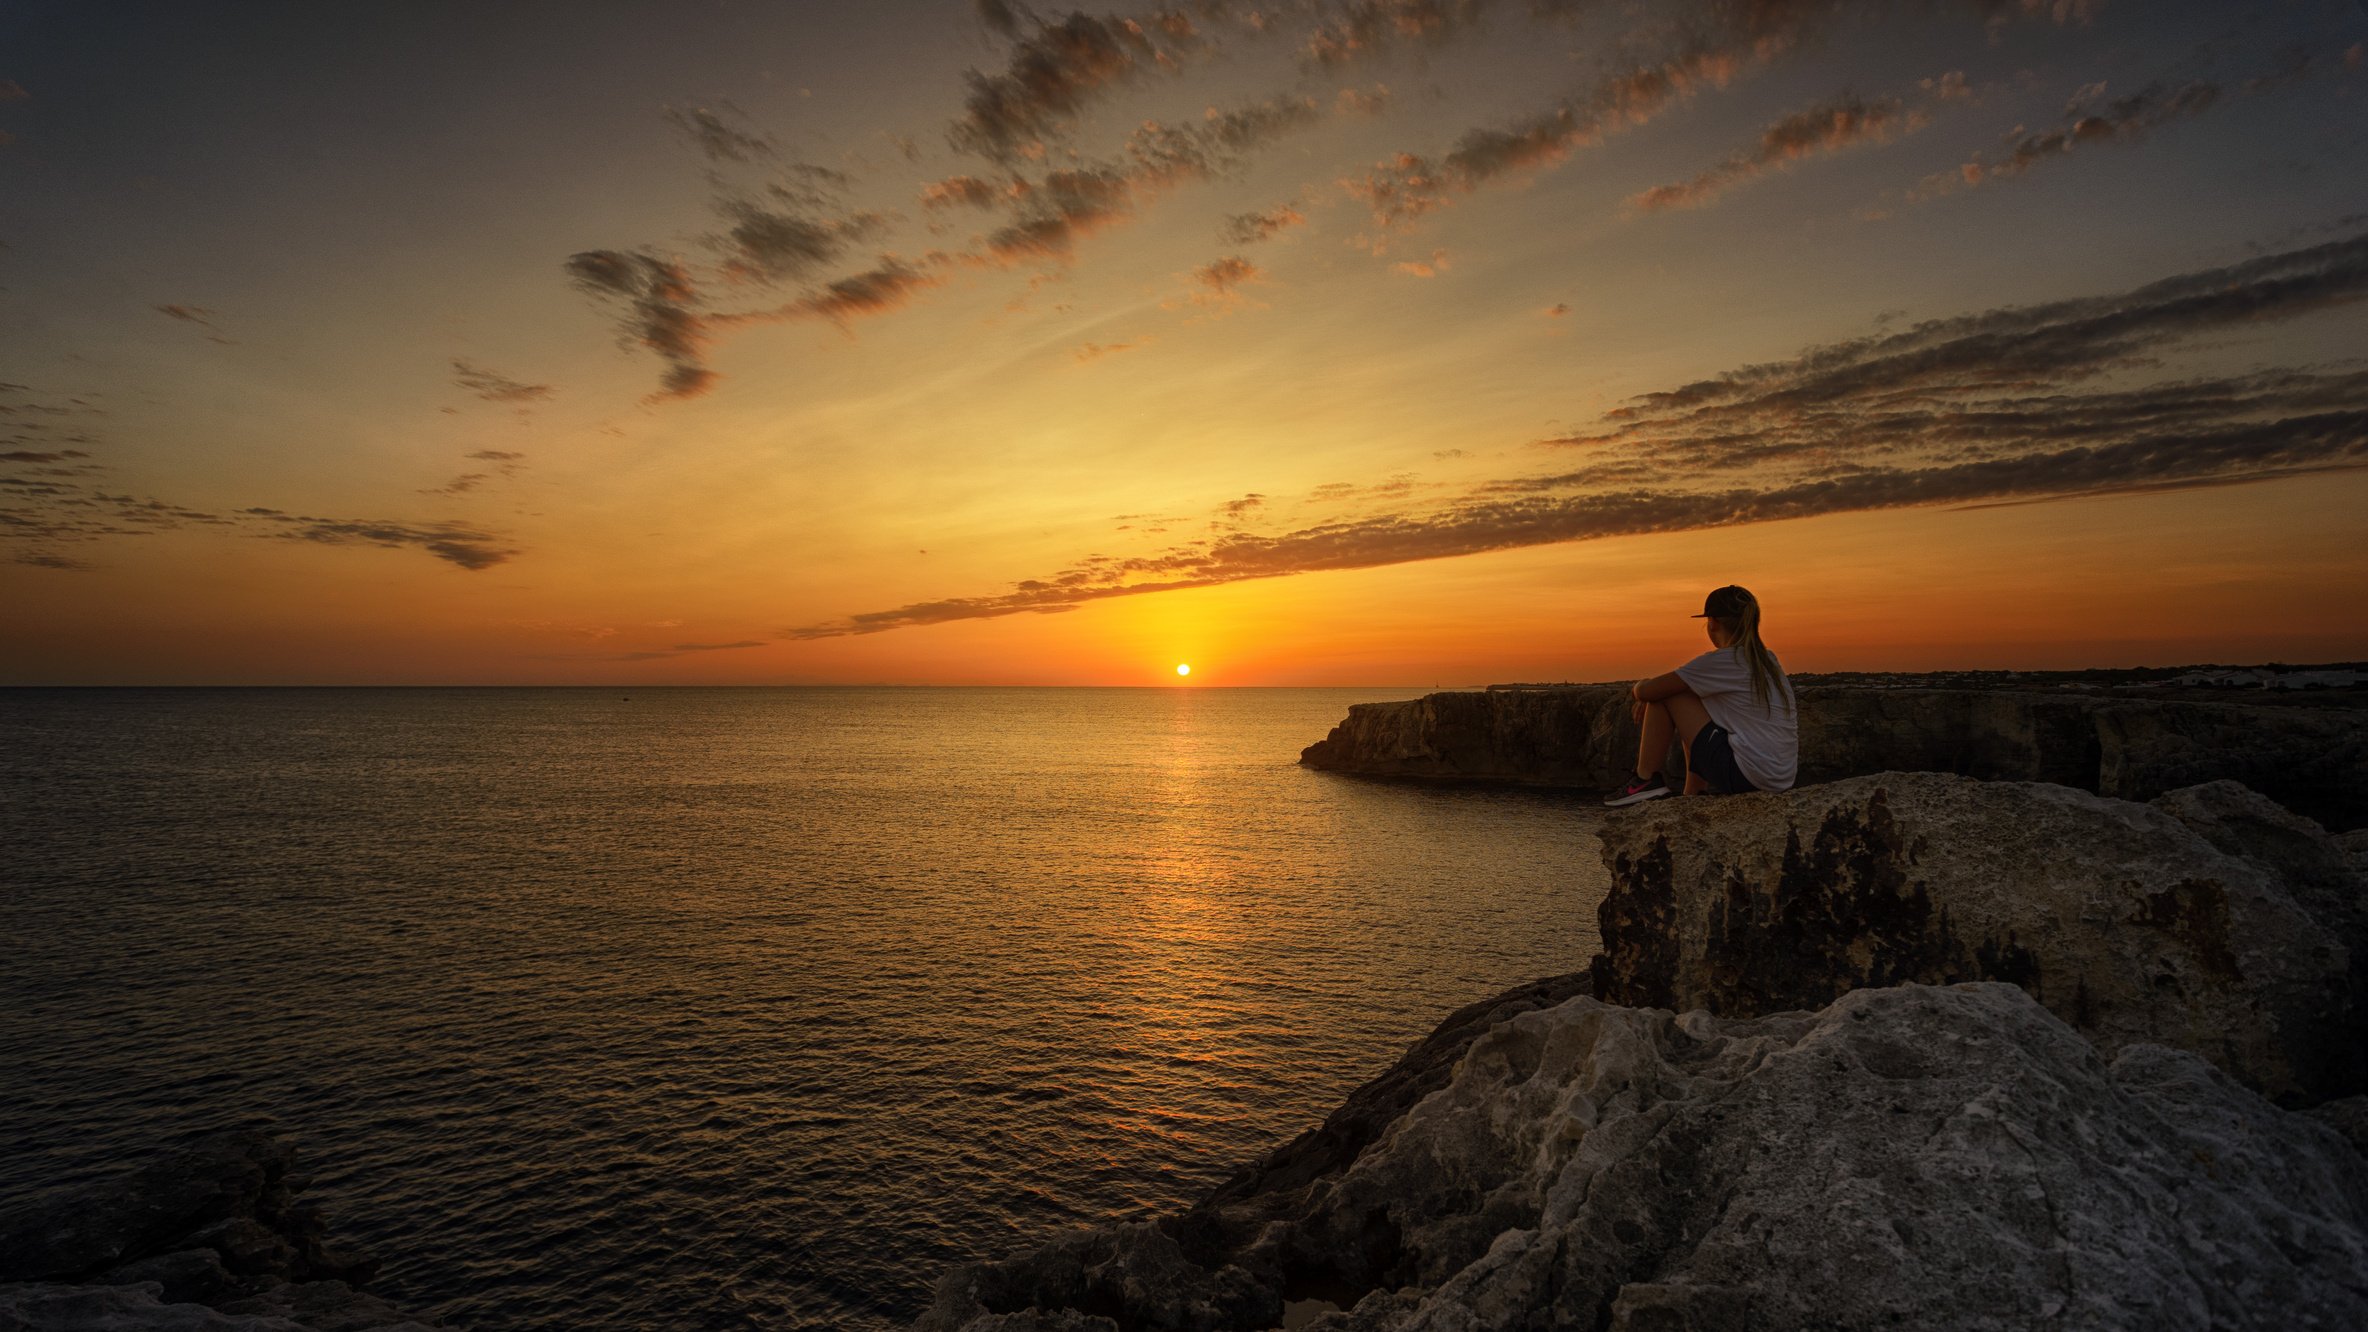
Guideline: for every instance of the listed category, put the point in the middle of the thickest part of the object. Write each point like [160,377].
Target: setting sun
[1183,669]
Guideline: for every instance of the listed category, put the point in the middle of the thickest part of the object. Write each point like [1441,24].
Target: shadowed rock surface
[210,1236]
[2212,921]
[2312,760]
[1947,1158]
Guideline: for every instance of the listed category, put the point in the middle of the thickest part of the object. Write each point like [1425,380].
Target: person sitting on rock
[1732,708]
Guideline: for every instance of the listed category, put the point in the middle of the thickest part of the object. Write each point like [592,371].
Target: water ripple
[730,1008]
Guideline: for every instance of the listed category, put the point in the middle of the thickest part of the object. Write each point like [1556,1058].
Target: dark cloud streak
[2003,406]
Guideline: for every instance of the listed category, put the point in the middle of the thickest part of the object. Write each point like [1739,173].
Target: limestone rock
[1941,1158]
[187,1276]
[2348,1117]
[215,1223]
[140,1308]
[143,1211]
[2314,760]
[1372,1108]
[2121,918]
[134,1308]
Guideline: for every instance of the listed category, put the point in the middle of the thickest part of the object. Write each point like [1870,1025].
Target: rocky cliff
[1940,1158]
[212,1237]
[2211,920]
[1762,1117]
[2311,760]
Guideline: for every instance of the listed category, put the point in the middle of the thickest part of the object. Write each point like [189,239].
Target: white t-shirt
[1766,739]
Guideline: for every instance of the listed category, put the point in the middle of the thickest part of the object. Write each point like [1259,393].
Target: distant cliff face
[2309,760]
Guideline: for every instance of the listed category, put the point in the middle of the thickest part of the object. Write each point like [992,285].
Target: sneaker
[1638,791]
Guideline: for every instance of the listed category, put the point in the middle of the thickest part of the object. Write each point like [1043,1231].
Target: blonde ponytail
[1743,630]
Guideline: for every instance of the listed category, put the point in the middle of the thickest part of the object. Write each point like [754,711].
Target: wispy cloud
[1055,71]
[963,192]
[717,137]
[1264,224]
[495,387]
[1685,48]
[502,464]
[1409,186]
[52,499]
[200,316]
[2122,120]
[1828,127]
[453,543]
[1999,406]
[1423,268]
[1217,285]
[657,310]
[1087,353]
[1364,29]
[2092,120]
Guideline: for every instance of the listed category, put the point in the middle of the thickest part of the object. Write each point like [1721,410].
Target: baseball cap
[1725,603]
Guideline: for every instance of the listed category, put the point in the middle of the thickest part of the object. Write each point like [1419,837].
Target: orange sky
[666,349]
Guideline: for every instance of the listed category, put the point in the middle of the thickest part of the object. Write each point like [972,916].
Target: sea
[717,1008]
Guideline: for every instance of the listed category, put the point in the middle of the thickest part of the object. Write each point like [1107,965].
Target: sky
[1361,342]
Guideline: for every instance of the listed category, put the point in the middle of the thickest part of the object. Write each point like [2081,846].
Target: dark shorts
[1712,758]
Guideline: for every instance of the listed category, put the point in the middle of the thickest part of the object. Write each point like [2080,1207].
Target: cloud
[12,91]
[794,229]
[1055,72]
[1090,352]
[1265,224]
[1001,17]
[1828,127]
[1219,285]
[494,387]
[1949,87]
[719,141]
[198,315]
[506,464]
[1162,154]
[1691,47]
[886,286]
[1225,274]
[1364,29]
[451,542]
[768,244]
[1065,205]
[2091,121]
[1055,211]
[2014,404]
[657,311]
[1408,186]
[963,192]
[1423,268]
[50,559]
[44,504]
[2123,120]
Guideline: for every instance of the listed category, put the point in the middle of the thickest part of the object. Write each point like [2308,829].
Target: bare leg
[1653,746]
[1687,717]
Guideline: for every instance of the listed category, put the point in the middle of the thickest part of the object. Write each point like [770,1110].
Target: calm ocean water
[731,1008]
